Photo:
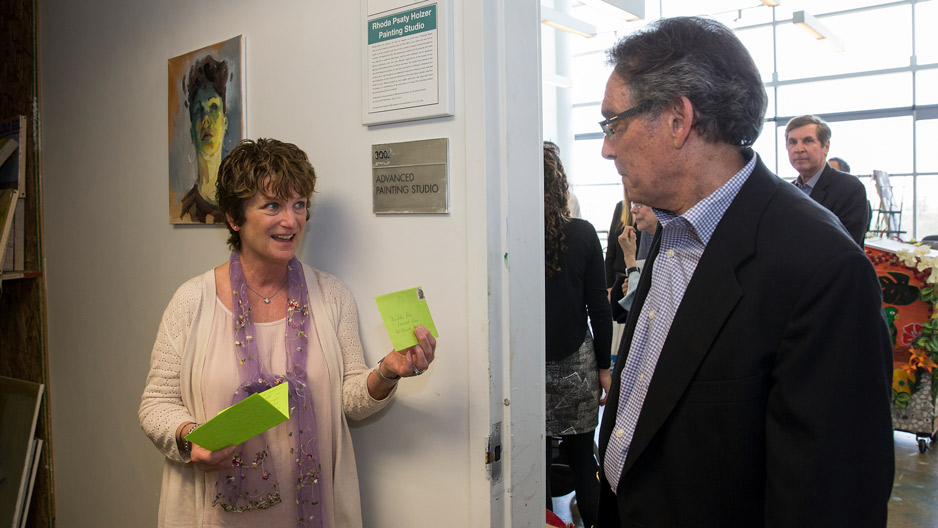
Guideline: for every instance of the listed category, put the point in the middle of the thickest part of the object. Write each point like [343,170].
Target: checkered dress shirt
[683,240]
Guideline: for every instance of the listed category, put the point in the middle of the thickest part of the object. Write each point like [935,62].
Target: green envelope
[244,420]
[402,311]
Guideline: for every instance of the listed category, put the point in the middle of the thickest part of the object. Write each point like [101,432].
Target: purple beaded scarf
[249,484]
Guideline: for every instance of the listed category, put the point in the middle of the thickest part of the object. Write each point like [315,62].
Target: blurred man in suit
[839,164]
[808,139]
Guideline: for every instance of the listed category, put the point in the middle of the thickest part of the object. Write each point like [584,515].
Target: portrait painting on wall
[206,121]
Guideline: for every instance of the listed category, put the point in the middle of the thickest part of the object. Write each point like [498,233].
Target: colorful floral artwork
[908,279]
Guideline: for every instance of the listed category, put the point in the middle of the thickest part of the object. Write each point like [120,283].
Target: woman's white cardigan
[173,391]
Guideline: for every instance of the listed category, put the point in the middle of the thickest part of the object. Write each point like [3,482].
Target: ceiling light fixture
[810,24]
[627,10]
[564,22]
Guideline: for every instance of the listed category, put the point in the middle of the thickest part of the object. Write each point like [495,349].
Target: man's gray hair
[823,130]
[702,60]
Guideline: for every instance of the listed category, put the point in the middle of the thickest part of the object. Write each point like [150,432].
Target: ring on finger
[417,371]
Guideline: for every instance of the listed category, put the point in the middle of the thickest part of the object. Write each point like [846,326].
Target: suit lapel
[819,193]
[708,302]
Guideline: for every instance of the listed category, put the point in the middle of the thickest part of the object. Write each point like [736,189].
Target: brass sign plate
[410,177]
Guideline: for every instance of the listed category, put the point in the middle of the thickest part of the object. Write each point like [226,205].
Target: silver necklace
[266,298]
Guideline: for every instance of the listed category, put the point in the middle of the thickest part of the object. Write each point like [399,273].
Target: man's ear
[680,121]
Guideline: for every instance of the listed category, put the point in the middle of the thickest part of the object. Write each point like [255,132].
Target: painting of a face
[206,120]
[209,122]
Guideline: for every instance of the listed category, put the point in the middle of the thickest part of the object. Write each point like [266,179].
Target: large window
[880,94]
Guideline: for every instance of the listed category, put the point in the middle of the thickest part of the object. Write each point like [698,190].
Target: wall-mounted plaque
[407,59]
[410,177]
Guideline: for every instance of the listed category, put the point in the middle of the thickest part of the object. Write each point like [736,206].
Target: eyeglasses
[606,123]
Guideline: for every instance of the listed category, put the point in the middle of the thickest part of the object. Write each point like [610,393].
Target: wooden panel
[22,301]
[19,91]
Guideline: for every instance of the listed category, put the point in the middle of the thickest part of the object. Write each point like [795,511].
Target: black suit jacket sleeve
[806,414]
[844,195]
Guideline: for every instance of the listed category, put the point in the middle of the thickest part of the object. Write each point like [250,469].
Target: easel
[889,214]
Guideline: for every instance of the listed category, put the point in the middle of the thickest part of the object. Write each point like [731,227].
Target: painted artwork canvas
[206,121]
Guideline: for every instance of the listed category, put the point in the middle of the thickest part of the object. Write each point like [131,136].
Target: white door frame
[506,248]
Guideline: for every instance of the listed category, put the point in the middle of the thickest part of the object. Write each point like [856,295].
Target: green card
[244,420]
[402,311]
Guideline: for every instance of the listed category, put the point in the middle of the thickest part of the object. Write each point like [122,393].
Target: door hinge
[493,453]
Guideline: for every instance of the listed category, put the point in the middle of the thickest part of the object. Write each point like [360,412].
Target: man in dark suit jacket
[755,390]
[808,139]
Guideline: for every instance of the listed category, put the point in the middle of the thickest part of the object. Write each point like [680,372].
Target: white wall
[113,259]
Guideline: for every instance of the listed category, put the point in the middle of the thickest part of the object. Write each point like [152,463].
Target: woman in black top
[577,368]
[615,260]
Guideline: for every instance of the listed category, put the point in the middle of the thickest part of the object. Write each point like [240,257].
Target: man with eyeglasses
[755,389]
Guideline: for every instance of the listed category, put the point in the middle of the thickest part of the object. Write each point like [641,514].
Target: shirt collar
[704,216]
[810,183]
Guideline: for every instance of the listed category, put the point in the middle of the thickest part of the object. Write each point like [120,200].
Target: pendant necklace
[266,298]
